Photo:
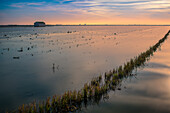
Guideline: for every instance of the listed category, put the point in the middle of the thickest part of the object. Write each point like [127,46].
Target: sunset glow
[85,11]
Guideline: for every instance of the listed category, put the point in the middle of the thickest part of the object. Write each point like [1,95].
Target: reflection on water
[41,62]
[148,92]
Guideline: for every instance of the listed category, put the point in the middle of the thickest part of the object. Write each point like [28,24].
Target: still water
[147,92]
[40,62]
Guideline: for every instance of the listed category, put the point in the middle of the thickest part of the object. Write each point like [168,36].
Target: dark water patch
[4,38]
[157,65]
[128,104]
[147,75]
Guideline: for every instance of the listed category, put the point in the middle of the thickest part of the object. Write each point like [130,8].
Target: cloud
[96,8]
[104,6]
[154,4]
[21,5]
[108,8]
[40,3]
[17,5]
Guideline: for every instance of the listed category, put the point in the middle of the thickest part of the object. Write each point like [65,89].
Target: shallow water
[147,92]
[78,56]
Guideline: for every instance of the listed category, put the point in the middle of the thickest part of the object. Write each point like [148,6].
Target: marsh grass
[94,91]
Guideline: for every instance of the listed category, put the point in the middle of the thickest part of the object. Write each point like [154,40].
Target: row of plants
[93,91]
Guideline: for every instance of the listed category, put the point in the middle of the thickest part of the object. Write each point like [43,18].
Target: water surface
[147,92]
[78,53]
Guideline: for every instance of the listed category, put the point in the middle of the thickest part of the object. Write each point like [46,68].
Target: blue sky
[85,11]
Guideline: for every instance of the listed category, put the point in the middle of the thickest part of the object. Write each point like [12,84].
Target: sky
[26,12]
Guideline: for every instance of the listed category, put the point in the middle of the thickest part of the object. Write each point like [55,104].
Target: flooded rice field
[39,62]
[147,92]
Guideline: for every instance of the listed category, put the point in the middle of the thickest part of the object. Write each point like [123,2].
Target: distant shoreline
[79,25]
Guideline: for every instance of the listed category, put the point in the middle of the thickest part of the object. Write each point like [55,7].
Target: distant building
[39,24]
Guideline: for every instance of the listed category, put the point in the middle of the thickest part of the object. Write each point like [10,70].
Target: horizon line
[89,25]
